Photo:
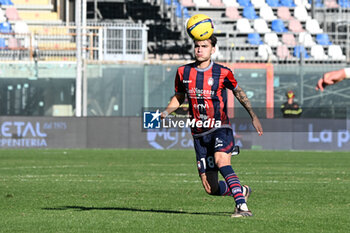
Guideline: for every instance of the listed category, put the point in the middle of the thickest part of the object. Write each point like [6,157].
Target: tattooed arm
[243,99]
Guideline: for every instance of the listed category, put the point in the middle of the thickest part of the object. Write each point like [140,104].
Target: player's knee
[222,159]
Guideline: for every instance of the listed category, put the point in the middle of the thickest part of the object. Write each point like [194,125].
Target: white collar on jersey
[205,69]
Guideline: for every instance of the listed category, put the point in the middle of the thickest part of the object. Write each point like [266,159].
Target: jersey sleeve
[179,86]
[230,82]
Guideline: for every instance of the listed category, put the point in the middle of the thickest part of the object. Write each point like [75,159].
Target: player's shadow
[83,208]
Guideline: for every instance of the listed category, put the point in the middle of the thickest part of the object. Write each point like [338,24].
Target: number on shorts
[210,161]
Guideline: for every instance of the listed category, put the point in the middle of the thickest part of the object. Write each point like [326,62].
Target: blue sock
[233,184]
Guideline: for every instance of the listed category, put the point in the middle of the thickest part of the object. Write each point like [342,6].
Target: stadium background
[108,60]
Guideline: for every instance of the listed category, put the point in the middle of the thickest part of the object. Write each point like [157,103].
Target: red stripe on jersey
[221,101]
[192,96]
[178,80]
[230,83]
[232,79]
[208,98]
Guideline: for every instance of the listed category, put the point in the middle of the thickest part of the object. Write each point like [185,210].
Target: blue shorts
[205,146]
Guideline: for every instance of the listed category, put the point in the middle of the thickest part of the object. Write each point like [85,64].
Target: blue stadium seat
[249,13]
[288,3]
[273,3]
[6,2]
[323,39]
[254,39]
[5,27]
[277,25]
[318,3]
[2,43]
[175,2]
[245,3]
[179,10]
[344,3]
[186,14]
[300,51]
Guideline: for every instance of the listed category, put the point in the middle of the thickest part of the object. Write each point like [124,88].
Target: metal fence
[336,22]
[125,43]
[101,42]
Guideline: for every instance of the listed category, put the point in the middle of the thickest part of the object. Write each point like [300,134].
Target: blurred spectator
[291,109]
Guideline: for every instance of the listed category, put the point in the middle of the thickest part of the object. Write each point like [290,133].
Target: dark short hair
[213,40]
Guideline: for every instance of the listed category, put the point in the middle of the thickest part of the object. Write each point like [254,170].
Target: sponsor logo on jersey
[210,81]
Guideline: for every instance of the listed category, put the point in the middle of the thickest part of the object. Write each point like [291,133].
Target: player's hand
[257,125]
[163,114]
[330,78]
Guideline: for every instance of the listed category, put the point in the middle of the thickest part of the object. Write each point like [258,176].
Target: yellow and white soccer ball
[200,27]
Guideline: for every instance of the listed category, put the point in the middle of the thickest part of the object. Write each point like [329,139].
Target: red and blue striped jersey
[206,92]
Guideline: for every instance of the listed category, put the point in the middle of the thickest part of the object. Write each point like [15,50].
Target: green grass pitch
[160,191]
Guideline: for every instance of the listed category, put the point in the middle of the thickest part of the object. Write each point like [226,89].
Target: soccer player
[333,77]
[205,83]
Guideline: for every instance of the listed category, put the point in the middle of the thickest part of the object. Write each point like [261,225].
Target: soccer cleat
[241,210]
[241,213]
[238,211]
[246,192]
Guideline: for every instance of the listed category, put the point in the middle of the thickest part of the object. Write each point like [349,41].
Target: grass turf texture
[160,191]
